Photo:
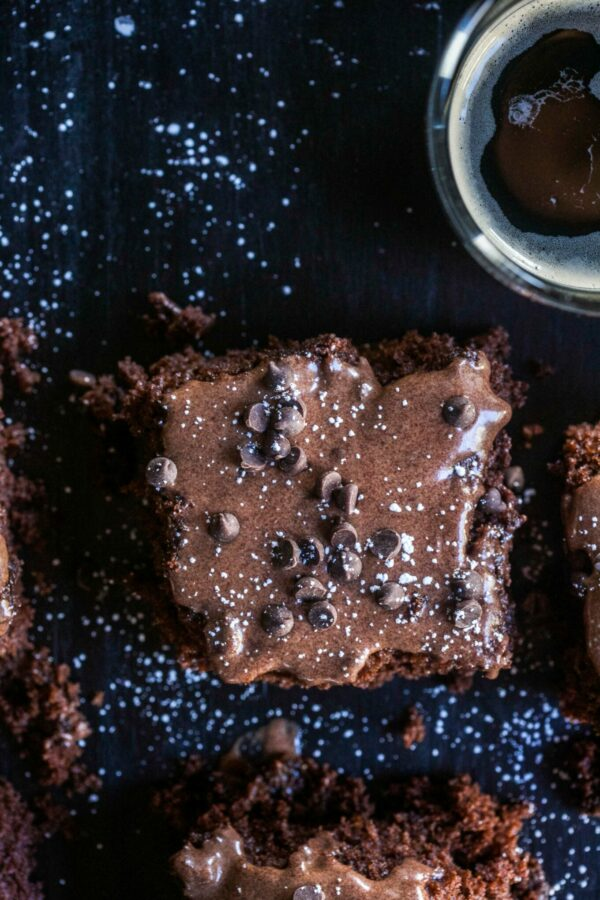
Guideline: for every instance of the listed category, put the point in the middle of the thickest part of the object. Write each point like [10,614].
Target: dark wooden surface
[290,194]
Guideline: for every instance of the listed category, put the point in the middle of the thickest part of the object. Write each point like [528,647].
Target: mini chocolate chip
[82,379]
[294,402]
[345,565]
[492,502]
[346,497]
[277,620]
[295,462]
[309,588]
[226,636]
[391,595]
[459,411]
[322,614]
[161,472]
[385,543]
[224,527]
[344,535]
[276,445]
[468,586]
[414,606]
[278,376]
[328,482]
[288,420]
[251,458]
[312,552]
[308,892]
[286,554]
[467,614]
[256,417]
[514,479]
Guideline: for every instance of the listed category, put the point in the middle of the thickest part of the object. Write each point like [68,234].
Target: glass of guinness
[514,142]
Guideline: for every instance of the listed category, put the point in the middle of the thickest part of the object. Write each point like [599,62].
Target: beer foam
[569,262]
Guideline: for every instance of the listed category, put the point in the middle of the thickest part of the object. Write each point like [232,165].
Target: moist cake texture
[581,517]
[325,515]
[270,823]
[18,839]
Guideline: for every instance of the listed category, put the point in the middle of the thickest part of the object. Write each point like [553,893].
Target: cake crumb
[413,728]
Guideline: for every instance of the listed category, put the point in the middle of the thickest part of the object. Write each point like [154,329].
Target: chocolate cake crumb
[540,369]
[18,840]
[41,707]
[581,454]
[530,433]
[187,323]
[412,727]
[17,340]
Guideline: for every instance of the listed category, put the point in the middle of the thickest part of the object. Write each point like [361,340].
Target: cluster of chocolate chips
[274,421]
[460,412]
[385,544]
[468,591]
[277,619]
[344,564]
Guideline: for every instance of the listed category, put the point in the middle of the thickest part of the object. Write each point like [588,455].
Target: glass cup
[472,48]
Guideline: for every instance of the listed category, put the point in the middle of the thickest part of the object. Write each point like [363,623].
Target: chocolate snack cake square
[270,823]
[324,514]
[581,518]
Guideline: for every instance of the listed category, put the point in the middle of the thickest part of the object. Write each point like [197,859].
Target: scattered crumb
[189,322]
[413,729]
[530,432]
[41,707]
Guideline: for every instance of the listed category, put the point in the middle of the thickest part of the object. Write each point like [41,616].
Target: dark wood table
[265,159]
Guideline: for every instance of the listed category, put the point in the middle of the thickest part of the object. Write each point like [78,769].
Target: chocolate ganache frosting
[318,519]
[581,513]
[219,870]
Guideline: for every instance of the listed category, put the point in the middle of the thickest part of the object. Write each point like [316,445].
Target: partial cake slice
[18,839]
[15,612]
[581,517]
[326,515]
[269,823]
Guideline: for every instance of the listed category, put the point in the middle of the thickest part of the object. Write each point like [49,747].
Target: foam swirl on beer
[550,234]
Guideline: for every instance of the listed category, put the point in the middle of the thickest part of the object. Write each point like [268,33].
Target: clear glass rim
[487,254]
